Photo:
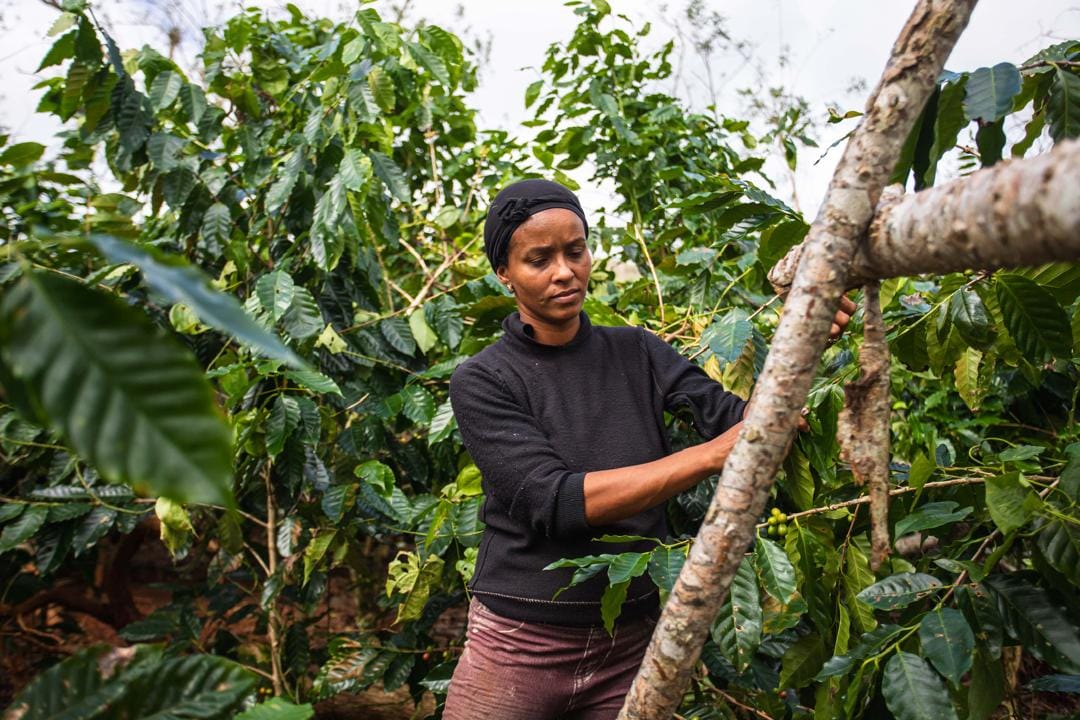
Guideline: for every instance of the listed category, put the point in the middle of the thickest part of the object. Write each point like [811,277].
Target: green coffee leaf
[665,564]
[419,405]
[990,92]
[165,89]
[947,642]
[1011,504]
[23,528]
[284,417]
[611,604]
[423,334]
[1038,620]
[899,591]
[1034,319]
[1056,683]
[316,551]
[355,169]
[186,284]
[277,709]
[127,398]
[314,380]
[1063,110]
[802,661]
[775,570]
[217,224]
[930,516]
[1060,545]
[391,175]
[727,336]
[627,566]
[443,424]
[397,332]
[737,629]
[913,691]
[968,314]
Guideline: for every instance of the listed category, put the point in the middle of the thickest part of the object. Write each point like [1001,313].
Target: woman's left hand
[842,318]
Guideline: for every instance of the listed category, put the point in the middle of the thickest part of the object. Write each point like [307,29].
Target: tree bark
[863,425]
[917,59]
[1019,212]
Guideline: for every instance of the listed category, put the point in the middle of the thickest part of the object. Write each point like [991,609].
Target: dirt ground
[32,641]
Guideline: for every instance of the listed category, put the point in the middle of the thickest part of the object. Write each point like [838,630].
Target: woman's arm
[616,494]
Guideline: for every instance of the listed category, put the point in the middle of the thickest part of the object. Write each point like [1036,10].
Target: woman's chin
[566,310]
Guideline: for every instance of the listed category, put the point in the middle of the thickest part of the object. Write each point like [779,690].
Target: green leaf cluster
[253,328]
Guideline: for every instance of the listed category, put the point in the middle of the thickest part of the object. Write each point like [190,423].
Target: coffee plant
[230,305]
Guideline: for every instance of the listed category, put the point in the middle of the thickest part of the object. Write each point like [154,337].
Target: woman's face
[548,266]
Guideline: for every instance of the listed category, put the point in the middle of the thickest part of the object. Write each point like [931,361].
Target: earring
[510,288]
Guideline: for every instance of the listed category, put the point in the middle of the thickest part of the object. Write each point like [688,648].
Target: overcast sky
[829,43]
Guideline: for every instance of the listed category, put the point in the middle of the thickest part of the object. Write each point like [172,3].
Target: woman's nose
[562,269]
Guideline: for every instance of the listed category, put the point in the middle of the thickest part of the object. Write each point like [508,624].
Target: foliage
[141,681]
[330,177]
[270,293]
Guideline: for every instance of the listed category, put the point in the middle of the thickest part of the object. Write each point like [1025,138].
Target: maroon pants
[514,670]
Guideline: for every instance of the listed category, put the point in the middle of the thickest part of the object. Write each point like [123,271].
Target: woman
[565,421]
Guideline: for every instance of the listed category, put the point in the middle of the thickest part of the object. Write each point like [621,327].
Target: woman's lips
[566,296]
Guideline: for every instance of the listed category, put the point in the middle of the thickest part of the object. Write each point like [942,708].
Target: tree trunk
[1019,212]
[917,59]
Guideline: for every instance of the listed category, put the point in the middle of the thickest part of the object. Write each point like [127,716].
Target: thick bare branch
[1019,212]
[863,425]
[916,61]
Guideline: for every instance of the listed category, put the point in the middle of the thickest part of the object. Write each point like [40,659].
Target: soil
[33,641]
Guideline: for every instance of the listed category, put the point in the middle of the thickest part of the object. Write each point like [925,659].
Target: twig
[652,268]
[982,547]
[94,497]
[1049,63]
[412,251]
[31,634]
[847,537]
[31,443]
[728,698]
[472,190]
[238,511]
[894,491]
[450,260]
[256,670]
[271,552]
[764,305]
[429,137]
[363,398]
[258,558]
[398,289]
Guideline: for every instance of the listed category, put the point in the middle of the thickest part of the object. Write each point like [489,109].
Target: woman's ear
[500,272]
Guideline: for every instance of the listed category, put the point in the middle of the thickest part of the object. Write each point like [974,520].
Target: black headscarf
[515,204]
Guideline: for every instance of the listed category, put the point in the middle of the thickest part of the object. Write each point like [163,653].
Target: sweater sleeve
[681,382]
[517,462]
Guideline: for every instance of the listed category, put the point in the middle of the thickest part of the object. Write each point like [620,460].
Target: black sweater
[535,418]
